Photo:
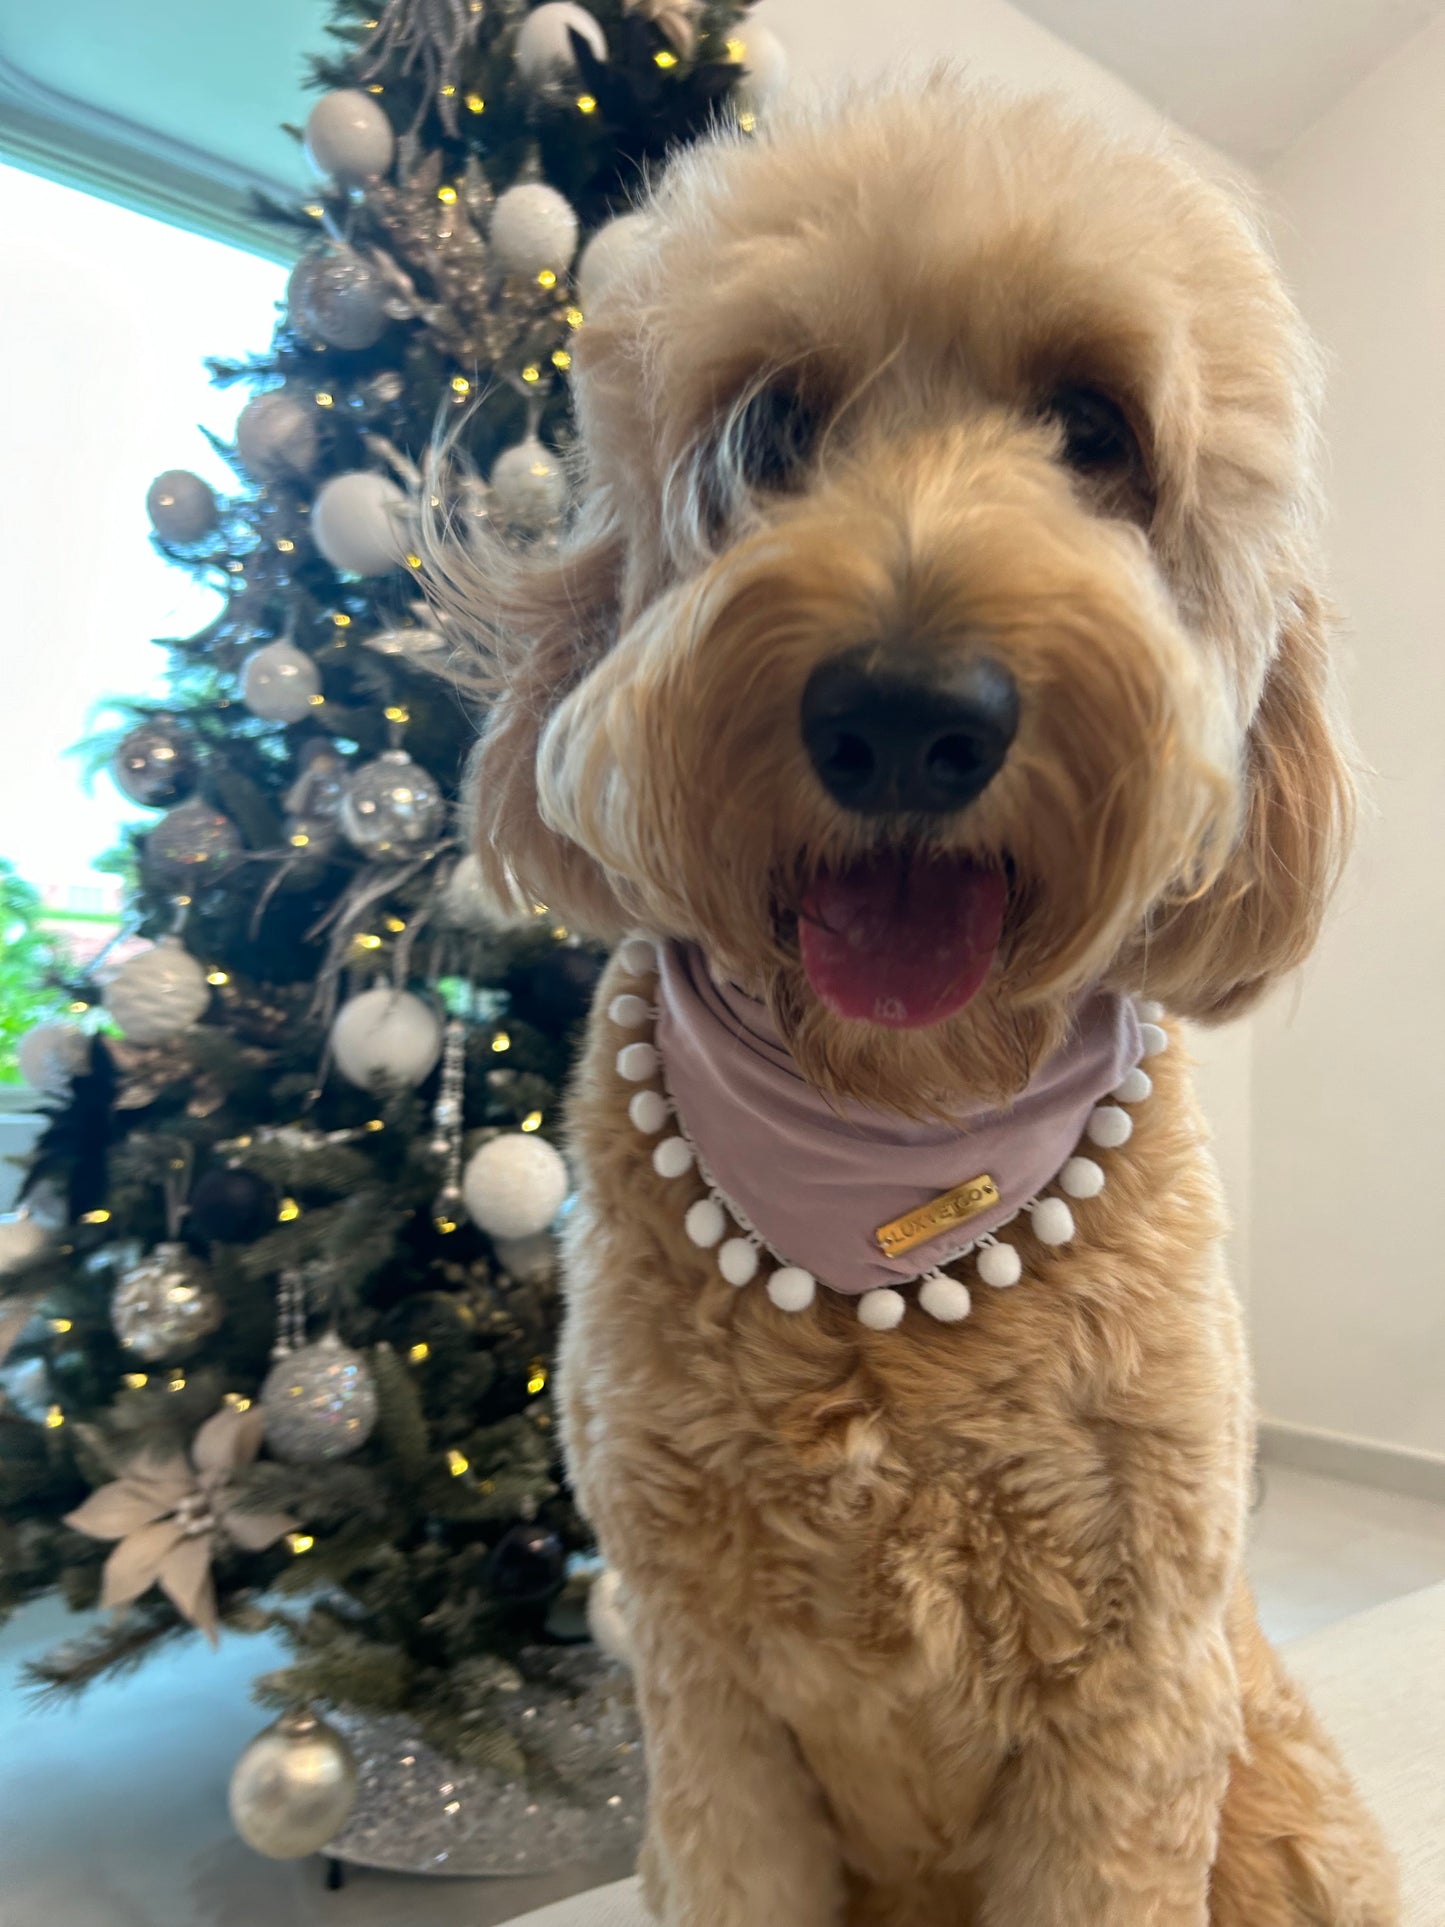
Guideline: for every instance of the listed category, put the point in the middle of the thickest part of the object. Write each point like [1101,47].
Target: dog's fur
[945,1626]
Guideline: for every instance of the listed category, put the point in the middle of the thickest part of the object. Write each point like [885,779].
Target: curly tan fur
[940,1627]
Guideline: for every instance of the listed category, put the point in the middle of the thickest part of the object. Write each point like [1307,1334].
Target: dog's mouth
[901,941]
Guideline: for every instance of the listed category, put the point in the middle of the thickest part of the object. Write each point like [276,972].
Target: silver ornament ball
[165,1306]
[318,1403]
[339,298]
[293,1788]
[154,765]
[157,994]
[279,683]
[276,435]
[191,844]
[349,137]
[392,806]
[181,507]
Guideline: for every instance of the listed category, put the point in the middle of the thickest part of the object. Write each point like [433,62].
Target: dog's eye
[773,437]
[1097,435]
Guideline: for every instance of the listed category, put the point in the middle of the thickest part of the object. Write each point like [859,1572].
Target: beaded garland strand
[715,1223]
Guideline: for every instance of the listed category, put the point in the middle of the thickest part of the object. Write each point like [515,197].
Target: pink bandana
[814,1181]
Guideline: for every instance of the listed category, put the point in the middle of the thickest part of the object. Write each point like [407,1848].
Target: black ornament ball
[556,990]
[155,764]
[231,1205]
[528,1563]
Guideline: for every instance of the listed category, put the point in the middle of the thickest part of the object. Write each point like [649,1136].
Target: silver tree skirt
[419,1813]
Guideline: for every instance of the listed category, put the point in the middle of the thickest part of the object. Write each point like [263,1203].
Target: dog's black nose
[887,731]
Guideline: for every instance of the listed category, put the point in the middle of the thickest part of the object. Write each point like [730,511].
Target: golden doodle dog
[935,677]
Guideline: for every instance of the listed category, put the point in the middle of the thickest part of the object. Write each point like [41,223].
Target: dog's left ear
[1216,954]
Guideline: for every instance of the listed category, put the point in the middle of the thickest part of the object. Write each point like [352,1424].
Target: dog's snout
[887,731]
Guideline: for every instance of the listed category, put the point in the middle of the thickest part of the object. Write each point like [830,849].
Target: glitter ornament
[349,137]
[534,230]
[611,259]
[385,1036]
[544,50]
[528,1563]
[392,807]
[165,1306]
[338,297]
[191,844]
[357,522]
[318,1403]
[51,1055]
[515,1184]
[181,507]
[157,994]
[529,487]
[232,1205]
[276,435]
[155,765]
[278,682]
[293,1787]
[22,1239]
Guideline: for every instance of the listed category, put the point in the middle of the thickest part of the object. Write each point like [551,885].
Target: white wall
[1348,1260]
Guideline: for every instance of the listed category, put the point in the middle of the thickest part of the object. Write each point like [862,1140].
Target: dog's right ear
[540,621]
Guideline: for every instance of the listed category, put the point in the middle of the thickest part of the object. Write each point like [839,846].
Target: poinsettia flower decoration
[170,1513]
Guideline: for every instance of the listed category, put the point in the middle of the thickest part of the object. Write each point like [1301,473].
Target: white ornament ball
[672,1158]
[611,259]
[158,994]
[543,50]
[278,683]
[605,1618]
[1053,1222]
[466,901]
[946,1299]
[181,506]
[792,1289]
[529,486]
[319,1403]
[1109,1127]
[276,435]
[349,137]
[358,522]
[738,1261]
[534,230]
[648,1111]
[21,1240]
[293,1788]
[1000,1266]
[1082,1178]
[515,1185]
[881,1310]
[385,1036]
[51,1055]
[764,59]
[704,1223]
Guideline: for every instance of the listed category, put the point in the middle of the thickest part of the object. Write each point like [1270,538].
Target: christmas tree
[280,1305]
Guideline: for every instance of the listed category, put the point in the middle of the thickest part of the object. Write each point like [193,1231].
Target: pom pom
[648,1111]
[1109,1127]
[1150,1011]
[638,957]
[1000,1266]
[515,1184]
[1153,1038]
[629,1012]
[1052,1220]
[792,1288]
[881,1310]
[1082,1178]
[672,1157]
[738,1261]
[638,1062]
[705,1223]
[944,1298]
[1135,1087]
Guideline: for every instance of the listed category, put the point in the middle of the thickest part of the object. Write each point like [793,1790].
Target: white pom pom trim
[672,1157]
[1082,1178]
[638,1062]
[639,957]
[1153,1038]
[705,1223]
[648,1111]
[944,1298]
[629,1012]
[1109,1127]
[792,1289]
[999,1265]
[1150,1011]
[1052,1220]
[1134,1088]
[881,1310]
[738,1261]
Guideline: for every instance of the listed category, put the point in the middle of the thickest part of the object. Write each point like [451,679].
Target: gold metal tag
[957,1206]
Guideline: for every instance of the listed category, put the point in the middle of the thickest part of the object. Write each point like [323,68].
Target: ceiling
[166,105]
[1247,75]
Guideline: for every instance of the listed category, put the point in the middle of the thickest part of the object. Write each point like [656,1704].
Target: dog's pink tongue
[902,945]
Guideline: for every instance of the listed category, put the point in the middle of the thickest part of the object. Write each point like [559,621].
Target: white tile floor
[115,1815]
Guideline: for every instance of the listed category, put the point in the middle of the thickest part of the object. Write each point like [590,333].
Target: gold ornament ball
[293,1787]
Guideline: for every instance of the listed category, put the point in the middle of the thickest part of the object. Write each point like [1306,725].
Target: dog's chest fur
[909,1543]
